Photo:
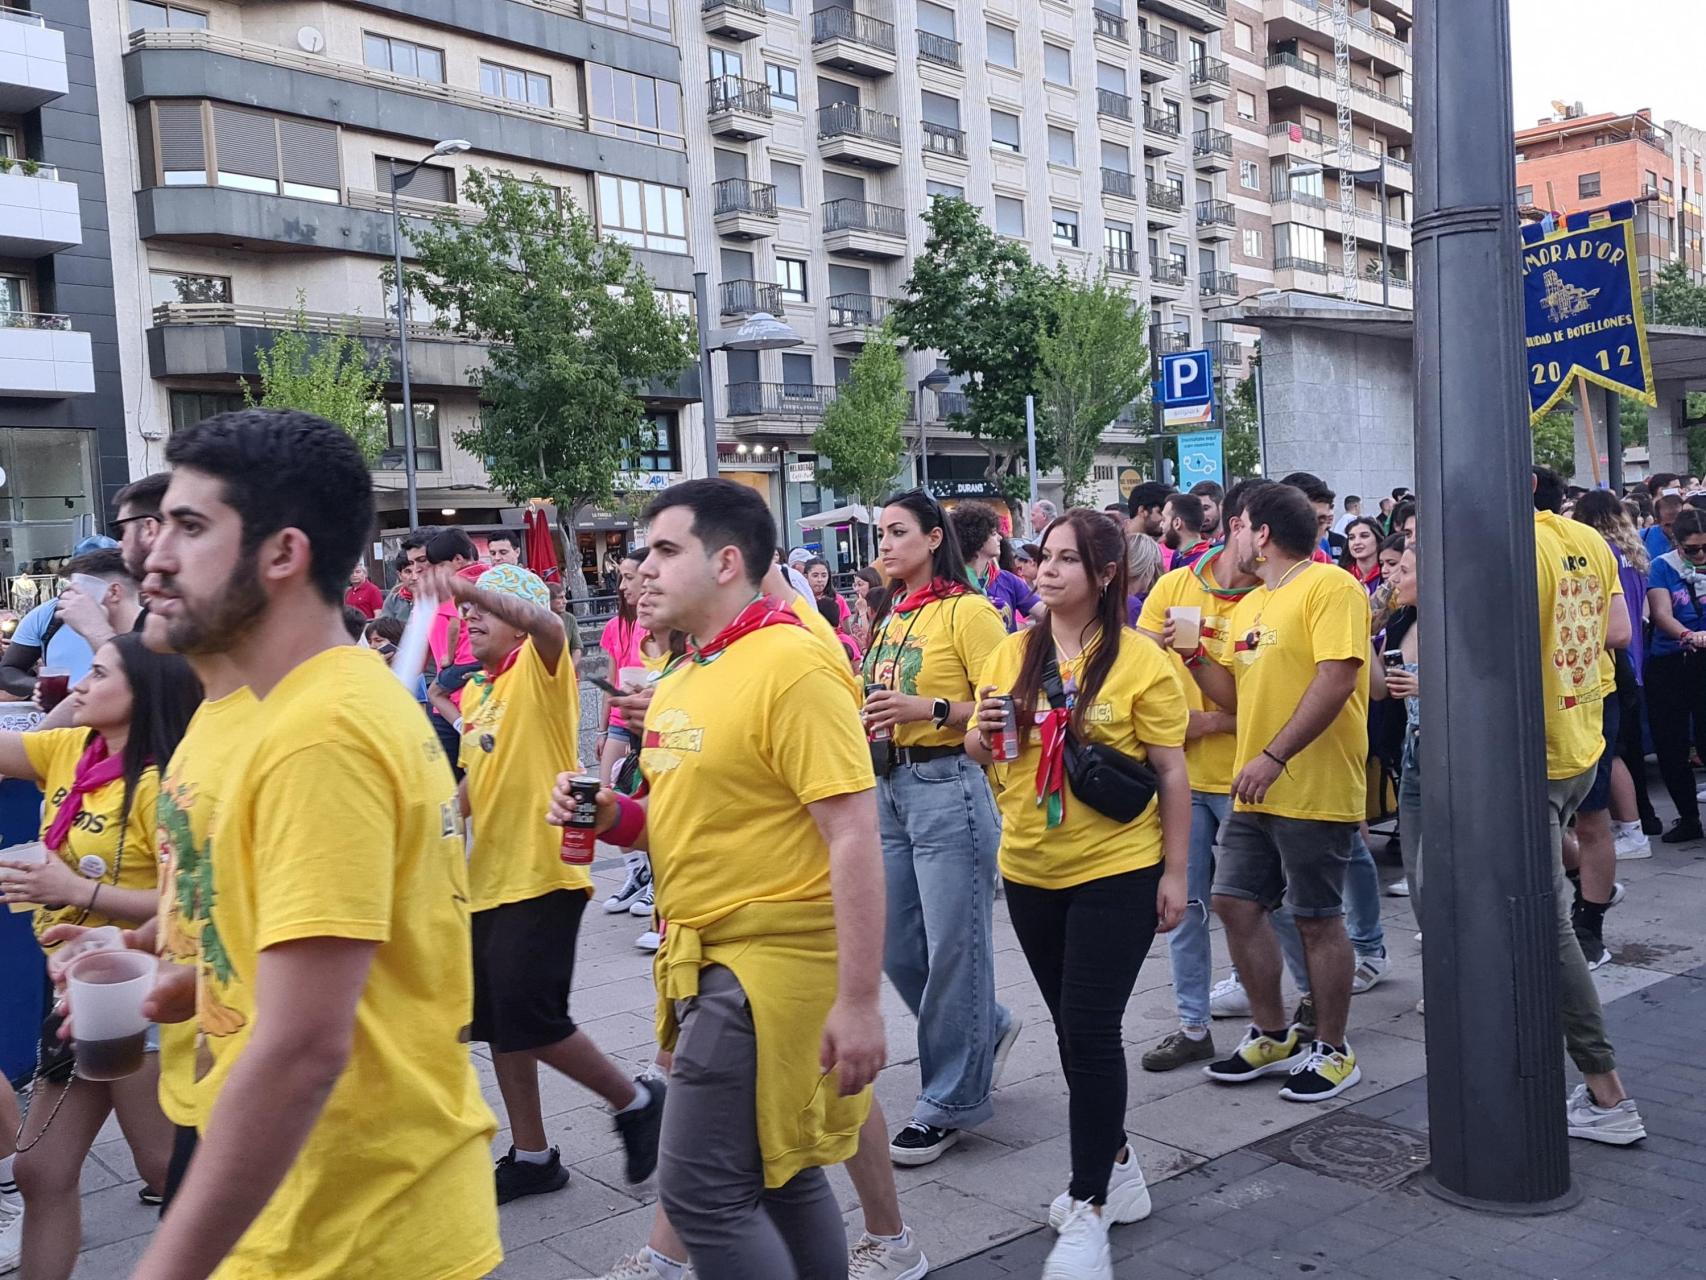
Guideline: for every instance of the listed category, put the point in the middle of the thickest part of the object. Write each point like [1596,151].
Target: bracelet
[1270,755]
[630,823]
[1197,658]
[93,894]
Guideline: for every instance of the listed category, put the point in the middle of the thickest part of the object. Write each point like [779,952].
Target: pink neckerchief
[95,768]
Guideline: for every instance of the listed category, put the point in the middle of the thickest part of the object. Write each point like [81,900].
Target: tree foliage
[859,443]
[1093,361]
[577,333]
[1243,444]
[1677,299]
[328,374]
[1555,440]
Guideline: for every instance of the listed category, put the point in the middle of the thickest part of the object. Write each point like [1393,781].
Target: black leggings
[1085,946]
[1676,711]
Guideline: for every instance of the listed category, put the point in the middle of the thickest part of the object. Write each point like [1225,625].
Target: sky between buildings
[1609,57]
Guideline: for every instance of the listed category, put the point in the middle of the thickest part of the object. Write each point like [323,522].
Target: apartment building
[1688,178]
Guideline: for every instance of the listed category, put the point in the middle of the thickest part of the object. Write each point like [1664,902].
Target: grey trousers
[1584,1023]
[1410,832]
[710,1172]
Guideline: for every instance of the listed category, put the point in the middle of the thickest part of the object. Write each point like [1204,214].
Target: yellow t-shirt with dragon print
[937,650]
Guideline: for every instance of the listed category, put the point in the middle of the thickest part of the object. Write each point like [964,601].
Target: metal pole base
[1506,1208]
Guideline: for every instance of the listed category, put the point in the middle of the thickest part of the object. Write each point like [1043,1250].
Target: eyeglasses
[150,523]
[1693,549]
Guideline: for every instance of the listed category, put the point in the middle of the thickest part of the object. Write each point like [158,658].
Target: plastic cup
[106,938]
[89,585]
[52,686]
[35,852]
[631,677]
[107,990]
[1187,627]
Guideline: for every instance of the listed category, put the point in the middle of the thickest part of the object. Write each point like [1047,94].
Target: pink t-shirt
[621,640]
[438,641]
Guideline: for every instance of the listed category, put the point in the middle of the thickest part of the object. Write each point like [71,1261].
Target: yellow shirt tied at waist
[734,750]
[104,844]
[1209,758]
[520,729]
[1577,581]
[935,651]
[1278,636]
[219,734]
[1141,701]
[341,822]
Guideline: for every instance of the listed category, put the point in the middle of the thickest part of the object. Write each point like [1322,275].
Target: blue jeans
[939,841]
[1193,961]
[1362,915]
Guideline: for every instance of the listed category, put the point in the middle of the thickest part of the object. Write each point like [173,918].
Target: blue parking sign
[1202,456]
[1187,389]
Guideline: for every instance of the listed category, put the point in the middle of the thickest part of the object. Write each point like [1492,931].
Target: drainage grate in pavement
[1351,1148]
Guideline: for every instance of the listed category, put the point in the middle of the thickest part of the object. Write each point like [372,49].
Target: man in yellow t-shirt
[1296,673]
[344,1131]
[762,832]
[519,730]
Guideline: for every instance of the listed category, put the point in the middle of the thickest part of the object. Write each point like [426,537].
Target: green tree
[1243,444]
[1092,363]
[1632,419]
[1555,440]
[980,300]
[1677,299]
[329,374]
[859,444]
[576,331]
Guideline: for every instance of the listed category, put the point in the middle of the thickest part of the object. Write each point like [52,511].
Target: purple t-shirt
[1634,599]
[1012,598]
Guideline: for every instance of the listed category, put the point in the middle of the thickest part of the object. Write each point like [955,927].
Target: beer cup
[1187,627]
[107,990]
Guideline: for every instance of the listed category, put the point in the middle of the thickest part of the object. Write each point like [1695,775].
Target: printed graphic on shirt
[189,916]
[895,664]
[1575,627]
[661,747]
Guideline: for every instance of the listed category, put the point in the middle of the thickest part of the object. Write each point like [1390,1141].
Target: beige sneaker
[638,1266]
[873,1259]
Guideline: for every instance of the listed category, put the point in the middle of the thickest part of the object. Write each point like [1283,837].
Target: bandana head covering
[513,580]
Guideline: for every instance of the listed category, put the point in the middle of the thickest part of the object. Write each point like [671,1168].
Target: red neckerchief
[405,594]
[1051,766]
[762,612]
[1367,579]
[95,768]
[483,677]
[938,589]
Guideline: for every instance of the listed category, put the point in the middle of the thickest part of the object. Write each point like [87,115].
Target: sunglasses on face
[1692,549]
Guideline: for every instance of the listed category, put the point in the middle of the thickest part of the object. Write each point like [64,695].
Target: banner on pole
[1582,310]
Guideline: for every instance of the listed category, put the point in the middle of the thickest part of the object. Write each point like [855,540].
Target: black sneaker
[1592,944]
[640,1130]
[1304,1020]
[1682,831]
[921,1143]
[1650,824]
[517,1178]
[150,1197]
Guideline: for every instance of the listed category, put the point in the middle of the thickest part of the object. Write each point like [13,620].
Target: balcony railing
[1217,284]
[1117,105]
[780,399]
[944,140]
[1121,261]
[1303,198]
[224,313]
[842,23]
[1174,340]
[1166,197]
[1217,213]
[860,215]
[1117,182]
[1165,123]
[1111,25]
[746,297]
[1211,142]
[849,309]
[34,320]
[731,93]
[754,7]
[1300,264]
[409,207]
[850,120]
[742,195]
[1226,353]
[1211,71]
[1152,44]
[1285,127]
[9,14]
[1169,271]
[949,404]
[29,168]
[941,50]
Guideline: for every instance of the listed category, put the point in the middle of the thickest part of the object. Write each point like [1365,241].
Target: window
[659,445]
[1065,228]
[515,84]
[947,190]
[1652,183]
[779,6]
[1253,244]
[1111,78]
[797,372]
[1246,105]
[1116,156]
[428,455]
[937,20]
[1249,175]
[1117,236]
[784,85]
[648,17]
[1293,240]
[1062,146]
[1243,37]
[1003,48]
[1009,216]
[633,106]
[1004,130]
[1524,196]
[643,214]
[1057,64]
[14,295]
[190,407]
[145,16]
[402,57]
[254,151]
[791,275]
[1587,185]
[435,182]
[725,62]
[790,184]
[178,286]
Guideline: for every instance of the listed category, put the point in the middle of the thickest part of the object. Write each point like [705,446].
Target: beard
[217,627]
[1171,540]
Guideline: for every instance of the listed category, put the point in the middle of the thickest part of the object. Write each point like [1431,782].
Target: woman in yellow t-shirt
[101,781]
[1086,893]
[938,823]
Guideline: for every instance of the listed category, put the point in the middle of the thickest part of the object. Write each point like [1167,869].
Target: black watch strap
[941,709]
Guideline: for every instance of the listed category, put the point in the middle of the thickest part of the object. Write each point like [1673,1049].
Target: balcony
[1122,262]
[1158,56]
[1166,203]
[859,135]
[742,298]
[1118,182]
[944,140]
[1225,354]
[1211,80]
[1300,266]
[32,61]
[1216,219]
[733,19]
[786,403]
[743,209]
[1203,15]
[949,404]
[39,214]
[1174,341]
[1212,150]
[1292,80]
[738,109]
[1293,19]
[42,357]
[1116,106]
[1111,26]
[1160,130]
[861,229]
[852,316]
[1168,274]
[941,51]
[1217,284]
[1293,139]
[852,41]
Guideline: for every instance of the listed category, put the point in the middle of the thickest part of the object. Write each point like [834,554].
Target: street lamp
[935,381]
[1377,176]
[449,147]
[760,331]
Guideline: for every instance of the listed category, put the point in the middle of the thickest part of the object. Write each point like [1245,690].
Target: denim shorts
[1265,858]
[620,733]
[1611,719]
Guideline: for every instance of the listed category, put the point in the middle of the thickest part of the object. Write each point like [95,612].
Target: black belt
[918,755]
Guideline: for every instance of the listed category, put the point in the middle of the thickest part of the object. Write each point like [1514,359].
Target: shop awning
[850,514]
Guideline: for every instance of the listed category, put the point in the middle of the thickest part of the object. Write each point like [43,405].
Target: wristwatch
[939,710]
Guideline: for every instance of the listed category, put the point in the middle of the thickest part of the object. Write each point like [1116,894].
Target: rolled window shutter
[247,142]
[310,153]
[181,145]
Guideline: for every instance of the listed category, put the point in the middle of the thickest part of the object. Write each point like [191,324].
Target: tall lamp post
[1376,176]
[400,179]
[760,331]
[934,381]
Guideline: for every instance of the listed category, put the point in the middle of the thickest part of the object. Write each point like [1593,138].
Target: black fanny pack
[1112,783]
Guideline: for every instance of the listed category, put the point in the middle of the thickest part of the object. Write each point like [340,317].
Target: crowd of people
[353,858]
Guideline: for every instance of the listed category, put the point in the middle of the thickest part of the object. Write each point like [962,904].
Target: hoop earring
[1261,559]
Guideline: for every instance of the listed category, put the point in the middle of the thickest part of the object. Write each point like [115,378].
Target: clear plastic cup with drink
[52,686]
[632,678]
[1187,627]
[107,989]
[34,853]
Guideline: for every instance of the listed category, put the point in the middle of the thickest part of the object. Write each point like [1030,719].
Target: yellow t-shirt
[1577,580]
[1140,703]
[218,733]
[1320,615]
[341,821]
[1209,757]
[806,611]
[102,844]
[519,731]
[936,651]
[734,750]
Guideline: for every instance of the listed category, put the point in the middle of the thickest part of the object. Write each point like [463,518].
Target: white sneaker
[1082,1252]
[638,878]
[1128,1196]
[873,1259]
[650,940]
[1619,891]
[1631,845]
[1422,1006]
[1399,888]
[1228,999]
[638,1266]
[643,901]
[1618,1126]
[11,1240]
[1369,971]
[1004,1046]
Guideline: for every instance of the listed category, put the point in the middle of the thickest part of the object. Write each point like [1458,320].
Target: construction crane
[1347,141]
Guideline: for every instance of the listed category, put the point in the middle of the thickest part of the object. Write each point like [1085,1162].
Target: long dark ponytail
[164,694]
[947,564]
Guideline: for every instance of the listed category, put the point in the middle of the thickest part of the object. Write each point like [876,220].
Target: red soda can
[877,735]
[1004,744]
[579,835]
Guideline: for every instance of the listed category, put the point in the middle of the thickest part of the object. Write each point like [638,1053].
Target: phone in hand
[601,683]
[1393,658]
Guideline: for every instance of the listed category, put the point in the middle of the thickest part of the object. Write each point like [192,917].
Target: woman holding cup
[96,865]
